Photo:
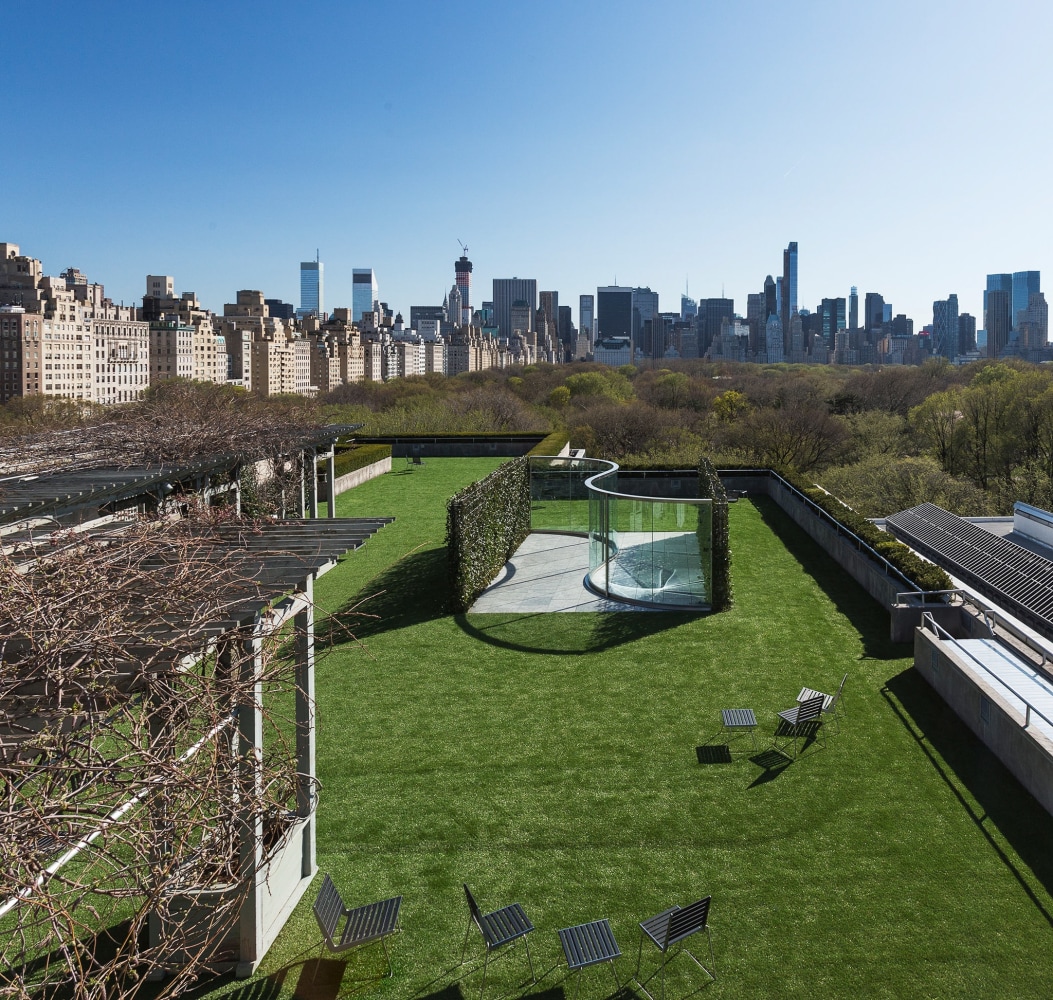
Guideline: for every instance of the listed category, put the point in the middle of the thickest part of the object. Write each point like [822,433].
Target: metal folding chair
[804,719]
[361,925]
[667,931]
[500,928]
[832,704]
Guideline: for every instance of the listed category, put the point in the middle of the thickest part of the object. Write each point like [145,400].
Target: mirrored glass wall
[650,536]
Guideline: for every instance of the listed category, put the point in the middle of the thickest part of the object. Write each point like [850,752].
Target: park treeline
[972,439]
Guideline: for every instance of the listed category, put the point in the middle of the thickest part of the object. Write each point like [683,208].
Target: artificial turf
[574,763]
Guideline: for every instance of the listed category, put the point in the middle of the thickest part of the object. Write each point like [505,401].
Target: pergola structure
[141,766]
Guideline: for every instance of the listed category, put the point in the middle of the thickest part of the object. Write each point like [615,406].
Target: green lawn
[552,759]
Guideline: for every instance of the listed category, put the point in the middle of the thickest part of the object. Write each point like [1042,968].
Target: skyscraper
[549,301]
[312,288]
[873,312]
[997,321]
[945,333]
[688,307]
[1025,284]
[966,333]
[832,318]
[1032,323]
[507,291]
[853,309]
[364,292]
[586,315]
[614,312]
[645,307]
[788,286]
[771,298]
[462,270]
[999,283]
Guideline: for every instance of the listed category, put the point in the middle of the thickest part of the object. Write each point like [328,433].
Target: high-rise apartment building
[945,332]
[364,292]
[508,291]
[462,271]
[1025,284]
[873,312]
[549,303]
[614,312]
[966,333]
[999,283]
[711,316]
[853,309]
[587,315]
[312,288]
[1032,323]
[832,313]
[998,322]
[788,286]
[771,298]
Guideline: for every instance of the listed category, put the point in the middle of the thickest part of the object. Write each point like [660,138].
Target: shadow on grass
[415,590]
[545,633]
[1001,800]
[713,753]
[865,614]
[772,762]
[411,591]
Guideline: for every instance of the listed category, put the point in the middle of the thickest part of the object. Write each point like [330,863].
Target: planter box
[232,942]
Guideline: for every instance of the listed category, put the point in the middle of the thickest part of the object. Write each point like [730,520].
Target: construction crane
[464,249]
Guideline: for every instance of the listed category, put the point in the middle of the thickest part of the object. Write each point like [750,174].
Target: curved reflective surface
[650,539]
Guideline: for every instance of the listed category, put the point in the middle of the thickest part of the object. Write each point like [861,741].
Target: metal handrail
[995,616]
[941,633]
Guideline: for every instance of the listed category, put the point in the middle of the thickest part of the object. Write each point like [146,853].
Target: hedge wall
[709,485]
[551,445]
[925,575]
[359,457]
[485,523]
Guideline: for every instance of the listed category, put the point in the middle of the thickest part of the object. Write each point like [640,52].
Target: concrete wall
[870,575]
[1026,753]
[458,447]
[352,479]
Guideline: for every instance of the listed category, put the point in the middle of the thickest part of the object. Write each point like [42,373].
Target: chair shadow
[865,614]
[713,753]
[773,762]
[1000,798]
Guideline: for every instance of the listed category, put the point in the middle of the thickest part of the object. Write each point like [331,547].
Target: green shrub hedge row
[551,445]
[924,575]
[709,485]
[360,456]
[485,523]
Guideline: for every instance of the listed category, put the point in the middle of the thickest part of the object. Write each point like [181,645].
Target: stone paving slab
[546,573]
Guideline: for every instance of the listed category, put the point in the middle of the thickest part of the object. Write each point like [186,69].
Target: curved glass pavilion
[650,537]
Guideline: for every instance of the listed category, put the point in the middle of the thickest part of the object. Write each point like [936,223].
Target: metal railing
[941,633]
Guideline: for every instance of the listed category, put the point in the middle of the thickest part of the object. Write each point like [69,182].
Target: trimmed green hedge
[709,485]
[359,457]
[924,575]
[485,523]
[551,445]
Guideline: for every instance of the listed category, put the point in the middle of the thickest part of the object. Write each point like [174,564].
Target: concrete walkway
[547,573]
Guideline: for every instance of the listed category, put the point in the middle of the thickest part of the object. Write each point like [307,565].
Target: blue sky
[906,147]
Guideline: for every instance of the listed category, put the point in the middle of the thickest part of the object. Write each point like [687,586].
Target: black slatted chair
[667,931]
[590,944]
[804,720]
[833,704]
[500,928]
[360,926]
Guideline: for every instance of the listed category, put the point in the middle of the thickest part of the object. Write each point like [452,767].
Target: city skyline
[723,175]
